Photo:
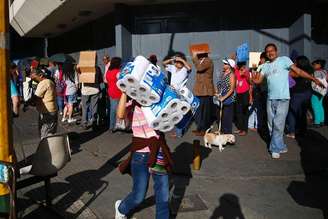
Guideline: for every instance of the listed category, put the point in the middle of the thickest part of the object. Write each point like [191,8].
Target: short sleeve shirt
[47,92]
[277,73]
[178,76]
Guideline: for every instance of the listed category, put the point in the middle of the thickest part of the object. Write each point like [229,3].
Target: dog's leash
[220,120]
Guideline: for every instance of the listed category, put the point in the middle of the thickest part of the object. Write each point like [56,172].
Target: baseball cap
[229,62]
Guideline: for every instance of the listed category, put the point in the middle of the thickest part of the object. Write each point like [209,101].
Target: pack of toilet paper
[189,97]
[164,115]
[163,106]
[142,81]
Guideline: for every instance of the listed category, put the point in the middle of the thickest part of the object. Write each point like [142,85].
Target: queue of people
[275,95]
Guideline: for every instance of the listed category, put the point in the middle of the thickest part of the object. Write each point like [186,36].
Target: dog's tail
[208,130]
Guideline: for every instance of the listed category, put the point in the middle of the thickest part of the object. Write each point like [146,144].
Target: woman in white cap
[226,94]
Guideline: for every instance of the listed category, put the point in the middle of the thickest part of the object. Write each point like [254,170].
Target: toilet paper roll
[132,92]
[184,107]
[151,119]
[140,66]
[169,102]
[144,102]
[122,85]
[164,116]
[176,117]
[166,127]
[154,82]
[186,94]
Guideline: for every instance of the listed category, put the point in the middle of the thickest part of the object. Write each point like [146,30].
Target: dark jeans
[226,120]
[242,111]
[204,114]
[89,102]
[140,175]
[296,118]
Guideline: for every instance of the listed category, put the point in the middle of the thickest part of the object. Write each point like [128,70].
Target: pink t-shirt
[242,84]
[140,127]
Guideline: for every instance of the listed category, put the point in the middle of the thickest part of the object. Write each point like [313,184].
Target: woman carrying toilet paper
[149,156]
[179,69]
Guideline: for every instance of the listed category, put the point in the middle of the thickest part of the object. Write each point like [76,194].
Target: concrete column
[123,41]
[123,36]
[300,36]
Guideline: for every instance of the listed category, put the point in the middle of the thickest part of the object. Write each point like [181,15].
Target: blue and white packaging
[122,82]
[169,102]
[153,82]
[190,98]
[127,69]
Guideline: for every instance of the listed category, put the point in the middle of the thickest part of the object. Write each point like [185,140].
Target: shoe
[275,155]
[63,119]
[290,135]
[242,133]
[118,215]
[253,129]
[195,131]
[72,120]
[284,151]
[61,113]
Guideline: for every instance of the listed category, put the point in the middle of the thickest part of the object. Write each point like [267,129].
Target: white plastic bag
[27,89]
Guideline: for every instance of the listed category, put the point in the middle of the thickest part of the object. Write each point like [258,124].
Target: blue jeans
[277,112]
[60,103]
[140,175]
[112,112]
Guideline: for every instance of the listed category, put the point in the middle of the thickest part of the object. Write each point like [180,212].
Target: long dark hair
[115,63]
[304,63]
[68,72]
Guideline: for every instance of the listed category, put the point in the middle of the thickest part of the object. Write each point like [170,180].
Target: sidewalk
[241,181]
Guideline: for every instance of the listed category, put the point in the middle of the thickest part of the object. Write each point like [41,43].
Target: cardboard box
[87,66]
[87,77]
[199,48]
[254,59]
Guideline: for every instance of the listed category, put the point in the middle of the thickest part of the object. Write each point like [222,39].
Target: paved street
[241,182]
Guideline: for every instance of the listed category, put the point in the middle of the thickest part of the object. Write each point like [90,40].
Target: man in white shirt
[179,68]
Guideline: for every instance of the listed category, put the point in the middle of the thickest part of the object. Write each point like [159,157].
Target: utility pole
[6,146]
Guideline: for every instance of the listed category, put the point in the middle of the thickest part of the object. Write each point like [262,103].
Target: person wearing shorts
[71,82]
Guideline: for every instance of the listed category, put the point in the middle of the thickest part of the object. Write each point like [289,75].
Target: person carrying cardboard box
[90,79]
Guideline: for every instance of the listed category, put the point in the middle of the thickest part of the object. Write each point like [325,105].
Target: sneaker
[284,151]
[118,215]
[63,119]
[275,155]
[290,135]
[72,120]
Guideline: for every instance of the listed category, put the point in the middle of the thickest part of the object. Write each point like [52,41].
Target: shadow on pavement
[180,177]
[86,185]
[76,139]
[229,208]
[313,192]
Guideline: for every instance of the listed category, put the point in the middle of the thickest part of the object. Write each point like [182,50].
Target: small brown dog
[217,139]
